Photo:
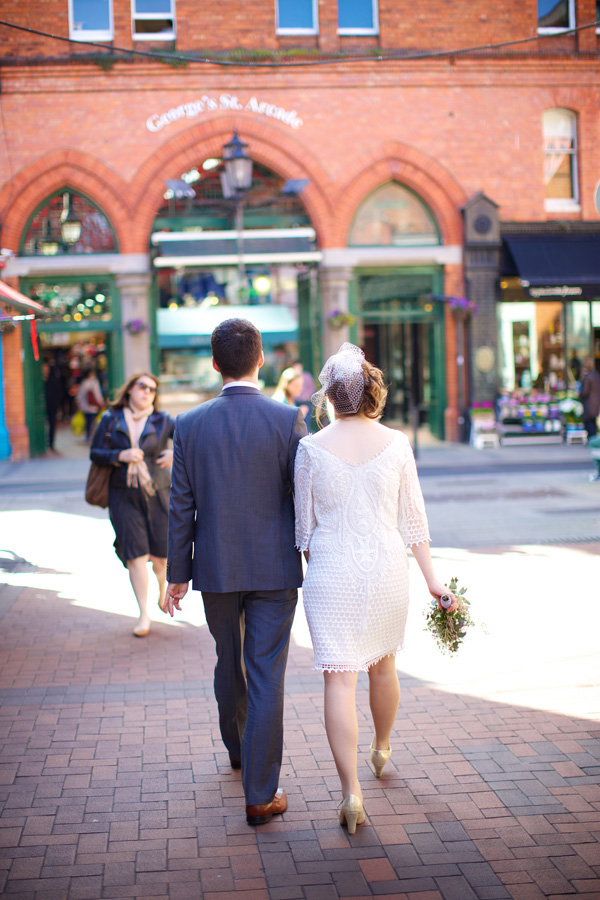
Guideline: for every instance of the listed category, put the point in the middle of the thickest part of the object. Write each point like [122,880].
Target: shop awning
[556,265]
[220,248]
[180,328]
[19,302]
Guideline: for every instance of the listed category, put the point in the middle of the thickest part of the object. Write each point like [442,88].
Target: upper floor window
[153,20]
[555,15]
[560,159]
[90,20]
[357,17]
[392,217]
[297,17]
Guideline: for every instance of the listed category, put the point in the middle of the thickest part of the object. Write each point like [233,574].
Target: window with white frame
[153,20]
[90,20]
[297,17]
[357,17]
[560,159]
[555,15]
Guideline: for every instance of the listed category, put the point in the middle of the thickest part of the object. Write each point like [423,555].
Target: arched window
[68,223]
[560,159]
[393,217]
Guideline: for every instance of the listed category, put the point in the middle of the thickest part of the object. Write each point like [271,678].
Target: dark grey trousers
[252,633]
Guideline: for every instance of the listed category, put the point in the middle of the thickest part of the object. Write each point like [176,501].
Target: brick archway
[64,169]
[268,146]
[401,163]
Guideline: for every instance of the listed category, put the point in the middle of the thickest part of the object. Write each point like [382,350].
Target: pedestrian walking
[89,400]
[53,393]
[132,438]
[231,531]
[589,395]
[358,503]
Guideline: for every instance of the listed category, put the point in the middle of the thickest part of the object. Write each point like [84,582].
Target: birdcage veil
[342,381]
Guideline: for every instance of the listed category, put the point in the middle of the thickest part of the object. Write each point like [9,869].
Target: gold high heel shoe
[379,758]
[351,812]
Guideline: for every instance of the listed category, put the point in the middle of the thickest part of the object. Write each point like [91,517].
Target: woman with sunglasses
[132,437]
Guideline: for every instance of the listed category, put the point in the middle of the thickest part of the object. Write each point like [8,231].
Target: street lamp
[236,179]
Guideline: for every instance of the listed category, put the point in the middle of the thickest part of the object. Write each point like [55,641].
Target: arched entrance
[214,257]
[82,327]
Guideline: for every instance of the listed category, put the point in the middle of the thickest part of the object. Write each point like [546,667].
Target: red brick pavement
[114,782]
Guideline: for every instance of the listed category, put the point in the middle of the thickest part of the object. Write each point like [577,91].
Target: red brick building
[403,156]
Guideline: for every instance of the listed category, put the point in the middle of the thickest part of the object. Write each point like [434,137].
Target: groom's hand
[173,596]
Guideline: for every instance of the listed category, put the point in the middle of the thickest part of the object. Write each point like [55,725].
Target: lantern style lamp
[70,228]
[238,165]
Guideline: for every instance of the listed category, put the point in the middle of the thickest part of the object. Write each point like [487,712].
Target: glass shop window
[532,345]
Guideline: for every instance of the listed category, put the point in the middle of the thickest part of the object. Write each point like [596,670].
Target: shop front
[548,327]
[81,331]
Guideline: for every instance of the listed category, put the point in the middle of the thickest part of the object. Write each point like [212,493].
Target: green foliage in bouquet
[449,628]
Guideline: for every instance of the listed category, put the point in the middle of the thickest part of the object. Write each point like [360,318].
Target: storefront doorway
[401,328]
[81,332]
[404,351]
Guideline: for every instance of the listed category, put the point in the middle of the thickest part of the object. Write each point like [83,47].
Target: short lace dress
[357,519]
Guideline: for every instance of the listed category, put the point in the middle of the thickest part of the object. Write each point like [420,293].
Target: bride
[358,504]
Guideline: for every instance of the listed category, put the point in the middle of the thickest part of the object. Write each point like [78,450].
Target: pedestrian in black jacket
[132,437]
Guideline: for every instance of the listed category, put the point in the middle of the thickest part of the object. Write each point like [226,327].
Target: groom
[231,531]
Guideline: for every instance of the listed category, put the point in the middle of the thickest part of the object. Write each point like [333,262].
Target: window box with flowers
[136,326]
[338,318]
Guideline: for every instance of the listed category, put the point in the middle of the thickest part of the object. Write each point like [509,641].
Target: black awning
[553,263]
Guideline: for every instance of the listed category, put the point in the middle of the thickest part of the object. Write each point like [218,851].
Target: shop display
[523,417]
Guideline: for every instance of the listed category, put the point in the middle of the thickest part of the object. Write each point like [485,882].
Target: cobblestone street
[114,782]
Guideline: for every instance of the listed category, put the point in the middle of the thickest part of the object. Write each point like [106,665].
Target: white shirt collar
[231,384]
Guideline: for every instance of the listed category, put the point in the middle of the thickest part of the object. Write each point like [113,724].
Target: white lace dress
[356,518]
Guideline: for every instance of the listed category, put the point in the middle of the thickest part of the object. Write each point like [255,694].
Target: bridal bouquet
[449,628]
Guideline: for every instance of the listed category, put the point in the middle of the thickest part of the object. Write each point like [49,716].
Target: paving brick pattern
[114,782]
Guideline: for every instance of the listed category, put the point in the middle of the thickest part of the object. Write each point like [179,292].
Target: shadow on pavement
[114,781]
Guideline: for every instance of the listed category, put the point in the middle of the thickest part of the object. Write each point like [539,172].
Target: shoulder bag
[96,487]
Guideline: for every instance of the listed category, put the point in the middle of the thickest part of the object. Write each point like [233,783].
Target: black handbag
[96,486]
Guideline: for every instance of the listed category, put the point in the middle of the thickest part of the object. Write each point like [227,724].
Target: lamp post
[236,179]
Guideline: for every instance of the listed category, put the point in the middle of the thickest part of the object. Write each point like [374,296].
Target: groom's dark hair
[236,346]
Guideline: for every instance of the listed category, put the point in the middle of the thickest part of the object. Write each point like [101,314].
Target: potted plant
[338,318]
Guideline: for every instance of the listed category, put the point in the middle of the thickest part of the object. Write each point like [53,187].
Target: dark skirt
[140,522]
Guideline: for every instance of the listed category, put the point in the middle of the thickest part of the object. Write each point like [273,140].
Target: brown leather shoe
[264,812]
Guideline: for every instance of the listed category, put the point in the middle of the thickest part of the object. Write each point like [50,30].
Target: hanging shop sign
[158,121]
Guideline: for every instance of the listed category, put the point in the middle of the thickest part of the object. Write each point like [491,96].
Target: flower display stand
[484,431]
[575,434]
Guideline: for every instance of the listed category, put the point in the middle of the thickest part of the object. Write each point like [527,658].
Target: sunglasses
[146,387]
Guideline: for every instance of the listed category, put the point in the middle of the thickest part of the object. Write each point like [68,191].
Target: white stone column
[135,296]
[334,283]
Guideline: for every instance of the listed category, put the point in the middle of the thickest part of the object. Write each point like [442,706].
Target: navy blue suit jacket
[231,516]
